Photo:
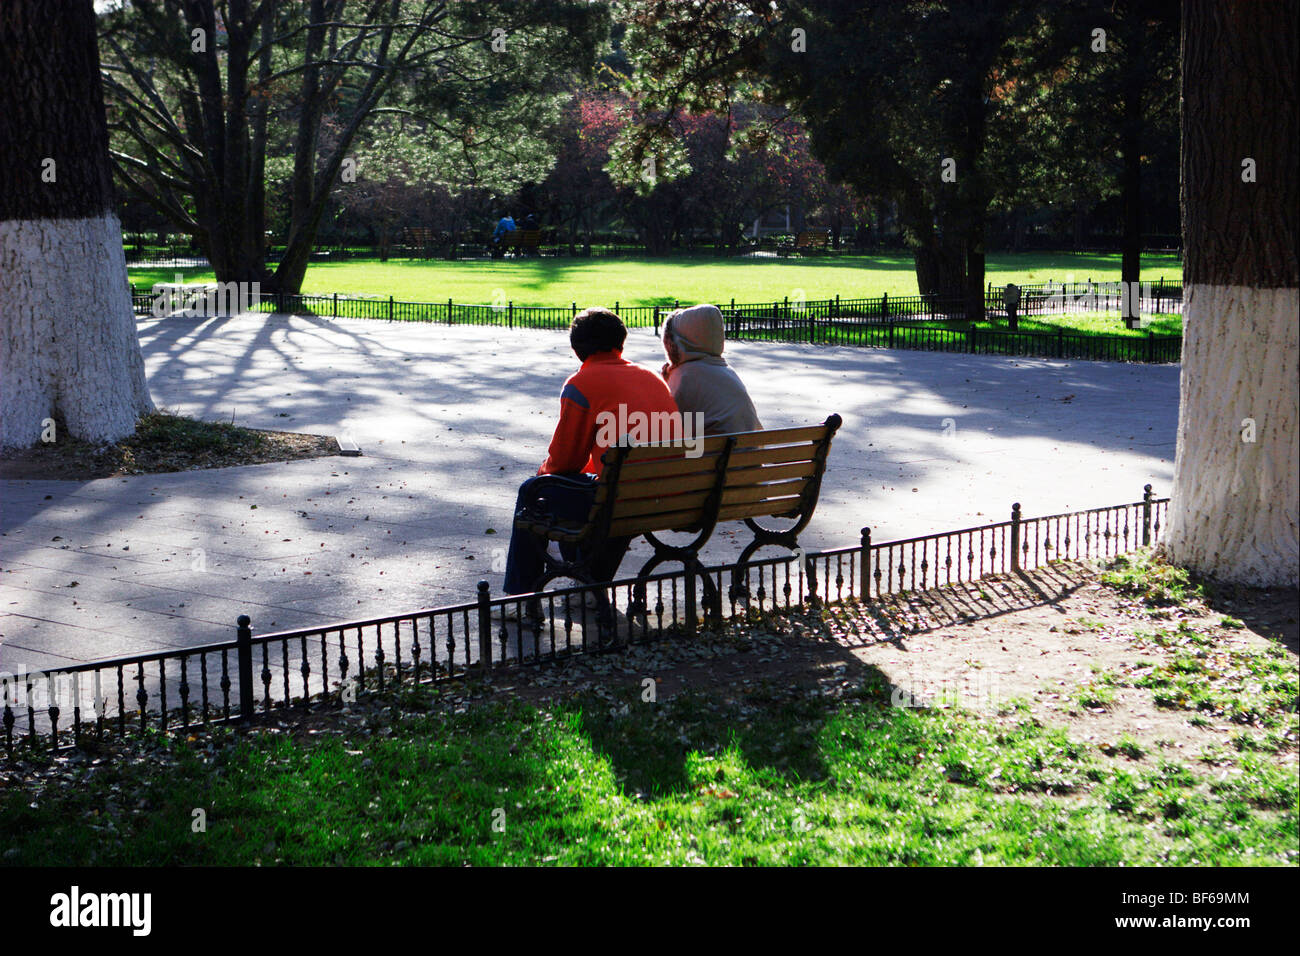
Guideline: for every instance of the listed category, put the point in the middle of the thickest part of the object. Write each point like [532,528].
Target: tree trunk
[1233,513]
[1131,148]
[70,349]
[975,278]
[940,269]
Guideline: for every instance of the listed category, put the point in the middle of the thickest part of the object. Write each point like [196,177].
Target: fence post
[1151,346]
[1015,536]
[891,335]
[837,306]
[510,314]
[484,629]
[884,312]
[864,565]
[336,305]
[1060,342]
[390,308]
[1146,515]
[656,320]
[244,654]
[1160,290]
[810,576]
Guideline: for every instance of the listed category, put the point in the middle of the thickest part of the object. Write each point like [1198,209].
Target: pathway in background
[451,419]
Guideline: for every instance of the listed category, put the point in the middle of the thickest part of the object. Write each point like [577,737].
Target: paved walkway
[451,419]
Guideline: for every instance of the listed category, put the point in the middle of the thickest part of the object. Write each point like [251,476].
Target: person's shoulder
[642,371]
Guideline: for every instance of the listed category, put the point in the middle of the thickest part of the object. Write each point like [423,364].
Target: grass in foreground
[655,281]
[764,775]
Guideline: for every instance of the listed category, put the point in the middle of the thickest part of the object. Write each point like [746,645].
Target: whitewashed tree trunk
[68,344]
[1233,513]
[70,347]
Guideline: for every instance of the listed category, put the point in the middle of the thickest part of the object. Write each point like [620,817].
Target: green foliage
[460,90]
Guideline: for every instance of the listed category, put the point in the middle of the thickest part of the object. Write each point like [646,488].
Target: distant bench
[813,240]
[522,241]
[419,237]
[645,490]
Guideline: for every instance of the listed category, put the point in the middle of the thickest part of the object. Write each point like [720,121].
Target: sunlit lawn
[562,281]
[781,777]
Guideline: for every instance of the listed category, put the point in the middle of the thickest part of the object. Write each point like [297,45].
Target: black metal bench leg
[761,540]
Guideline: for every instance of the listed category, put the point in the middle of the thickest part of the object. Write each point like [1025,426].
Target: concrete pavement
[450,419]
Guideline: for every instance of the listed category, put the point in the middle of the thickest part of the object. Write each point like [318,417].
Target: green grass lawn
[760,772]
[559,282]
[786,778]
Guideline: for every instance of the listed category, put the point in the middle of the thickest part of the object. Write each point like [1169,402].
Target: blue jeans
[524,564]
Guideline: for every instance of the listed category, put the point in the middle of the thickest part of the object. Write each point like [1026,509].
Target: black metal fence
[178,691]
[927,323]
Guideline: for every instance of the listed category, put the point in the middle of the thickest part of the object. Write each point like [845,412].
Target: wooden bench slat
[773,456]
[681,520]
[754,493]
[660,504]
[666,450]
[741,459]
[760,509]
[740,477]
[781,436]
[676,520]
[655,486]
[668,467]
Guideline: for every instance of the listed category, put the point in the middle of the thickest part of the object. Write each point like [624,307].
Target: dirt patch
[1073,649]
[162,442]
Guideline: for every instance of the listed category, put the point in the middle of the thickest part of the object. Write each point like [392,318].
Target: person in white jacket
[700,378]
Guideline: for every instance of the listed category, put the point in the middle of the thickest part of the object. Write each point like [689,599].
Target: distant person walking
[700,378]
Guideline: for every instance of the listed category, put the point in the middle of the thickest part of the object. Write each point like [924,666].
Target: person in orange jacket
[604,394]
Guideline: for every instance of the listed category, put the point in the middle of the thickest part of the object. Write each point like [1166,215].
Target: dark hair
[596,330]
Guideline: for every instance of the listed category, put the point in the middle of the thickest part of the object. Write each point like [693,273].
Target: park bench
[522,241]
[646,490]
[813,240]
[419,238]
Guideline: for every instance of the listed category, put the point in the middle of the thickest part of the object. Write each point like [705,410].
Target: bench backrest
[659,487]
[524,237]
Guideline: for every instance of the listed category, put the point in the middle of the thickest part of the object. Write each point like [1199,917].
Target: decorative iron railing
[179,691]
[911,322]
